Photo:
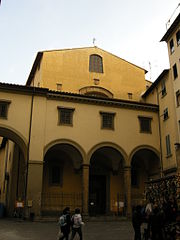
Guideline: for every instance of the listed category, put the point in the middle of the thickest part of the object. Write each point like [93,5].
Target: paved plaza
[24,230]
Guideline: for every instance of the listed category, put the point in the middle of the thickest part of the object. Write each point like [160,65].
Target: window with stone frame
[145,124]
[55,175]
[4,108]
[178,98]
[65,116]
[107,120]
[130,95]
[95,63]
[178,37]
[59,86]
[165,114]
[163,88]
[171,44]
[175,72]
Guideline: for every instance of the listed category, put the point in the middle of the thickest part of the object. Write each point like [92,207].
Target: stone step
[85,218]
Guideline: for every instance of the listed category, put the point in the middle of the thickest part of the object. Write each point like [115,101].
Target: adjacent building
[165,92]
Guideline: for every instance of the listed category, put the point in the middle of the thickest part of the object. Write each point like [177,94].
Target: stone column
[85,187]
[34,187]
[127,189]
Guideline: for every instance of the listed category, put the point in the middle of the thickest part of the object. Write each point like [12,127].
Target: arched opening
[106,181]
[61,179]
[96,92]
[13,170]
[145,165]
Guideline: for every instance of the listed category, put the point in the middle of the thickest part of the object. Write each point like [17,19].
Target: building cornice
[104,101]
[79,98]
[171,29]
[155,83]
[34,67]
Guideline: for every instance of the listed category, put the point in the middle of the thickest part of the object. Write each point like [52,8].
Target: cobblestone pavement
[25,230]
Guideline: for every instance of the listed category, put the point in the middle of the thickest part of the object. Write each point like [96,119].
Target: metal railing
[56,202]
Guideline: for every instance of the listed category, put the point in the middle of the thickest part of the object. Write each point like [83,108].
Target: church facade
[89,140]
[87,130]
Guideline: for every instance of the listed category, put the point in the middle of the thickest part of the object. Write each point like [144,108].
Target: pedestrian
[136,222]
[77,224]
[65,224]
[148,213]
[156,223]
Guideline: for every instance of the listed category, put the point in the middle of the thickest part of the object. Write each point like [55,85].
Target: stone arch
[65,141]
[15,157]
[89,90]
[107,144]
[145,164]
[15,136]
[141,147]
[106,161]
[62,168]
[79,150]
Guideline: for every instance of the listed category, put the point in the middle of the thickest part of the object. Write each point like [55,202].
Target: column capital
[36,162]
[126,168]
[85,165]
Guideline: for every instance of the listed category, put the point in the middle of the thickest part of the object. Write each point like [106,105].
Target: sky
[130,29]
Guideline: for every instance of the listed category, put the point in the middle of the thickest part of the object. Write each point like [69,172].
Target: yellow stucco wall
[169,126]
[174,59]
[87,132]
[71,69]
[18,114]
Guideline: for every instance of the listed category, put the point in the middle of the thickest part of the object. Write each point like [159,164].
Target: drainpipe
[160,138]
[6,177]
[17,184]
[29,141]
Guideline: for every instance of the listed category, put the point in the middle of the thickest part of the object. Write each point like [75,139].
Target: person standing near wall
[136,222]
[65,224]
[77,224]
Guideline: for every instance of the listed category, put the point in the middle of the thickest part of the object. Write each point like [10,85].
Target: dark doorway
[97,194]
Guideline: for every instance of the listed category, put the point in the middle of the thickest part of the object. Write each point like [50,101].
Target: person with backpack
[65,224]
[76,224]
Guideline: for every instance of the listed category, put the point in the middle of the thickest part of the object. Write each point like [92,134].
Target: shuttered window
[168,145]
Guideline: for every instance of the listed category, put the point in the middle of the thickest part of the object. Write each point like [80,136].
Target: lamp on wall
[177,145]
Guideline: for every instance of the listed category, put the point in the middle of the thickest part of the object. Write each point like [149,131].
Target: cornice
[104,101]
[74,97]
